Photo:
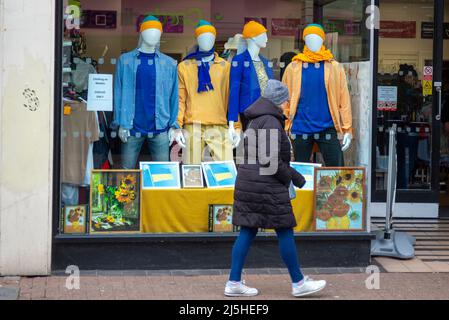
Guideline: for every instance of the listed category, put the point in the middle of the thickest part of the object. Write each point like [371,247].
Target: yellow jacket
[207,108]
[337,94]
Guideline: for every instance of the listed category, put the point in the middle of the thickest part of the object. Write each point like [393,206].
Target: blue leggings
[287,247]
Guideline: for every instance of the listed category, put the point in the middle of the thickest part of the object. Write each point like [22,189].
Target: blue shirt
[145,117]
[313,115]
[167,99]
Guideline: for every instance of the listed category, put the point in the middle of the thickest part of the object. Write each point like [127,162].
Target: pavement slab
[342,286]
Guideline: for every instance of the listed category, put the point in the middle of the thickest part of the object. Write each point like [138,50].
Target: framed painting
[220,174]
[340,199]
[74,219]
[160,175]
[192,176]
[220,218]
[115,202]
[308,172]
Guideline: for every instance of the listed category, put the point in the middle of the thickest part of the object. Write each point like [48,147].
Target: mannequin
[235,45]
[320,109]
[250,72]
[203,101]
[146,97]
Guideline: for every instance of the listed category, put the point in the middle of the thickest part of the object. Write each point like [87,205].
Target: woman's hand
[298,180]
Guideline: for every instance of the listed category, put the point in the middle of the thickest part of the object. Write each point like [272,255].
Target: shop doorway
[409,78]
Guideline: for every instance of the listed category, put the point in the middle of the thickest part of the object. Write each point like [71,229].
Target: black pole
[59,31]
[437,80]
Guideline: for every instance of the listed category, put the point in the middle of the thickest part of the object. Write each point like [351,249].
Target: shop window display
[182,80]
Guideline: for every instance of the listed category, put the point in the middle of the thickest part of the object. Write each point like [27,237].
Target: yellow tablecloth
[187,210]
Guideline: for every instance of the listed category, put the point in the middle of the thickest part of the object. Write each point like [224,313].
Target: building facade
[43,50]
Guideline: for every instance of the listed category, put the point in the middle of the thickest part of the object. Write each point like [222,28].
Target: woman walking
[262,198]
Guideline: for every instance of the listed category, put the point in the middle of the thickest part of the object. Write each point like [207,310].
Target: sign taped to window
[387,98]
[427,87]
[100,92]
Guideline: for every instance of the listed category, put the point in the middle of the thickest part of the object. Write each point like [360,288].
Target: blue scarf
[204,80]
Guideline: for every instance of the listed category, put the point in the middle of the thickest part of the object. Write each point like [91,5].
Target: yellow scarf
[312,57]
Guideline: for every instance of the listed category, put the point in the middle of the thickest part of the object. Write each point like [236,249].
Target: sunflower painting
[340,199]
[74,219]
[115,201]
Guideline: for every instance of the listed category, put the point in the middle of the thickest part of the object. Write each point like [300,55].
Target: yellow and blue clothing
[313,114]
[244,88]
[337,94]
[167,99]
[208,107]
[204,79]
[145,118]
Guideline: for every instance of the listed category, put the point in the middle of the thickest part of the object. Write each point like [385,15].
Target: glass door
[408,91]
[444,138]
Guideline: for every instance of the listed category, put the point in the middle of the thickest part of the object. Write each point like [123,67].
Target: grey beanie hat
[276,92]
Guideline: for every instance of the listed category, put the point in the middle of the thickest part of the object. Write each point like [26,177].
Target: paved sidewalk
[210,287]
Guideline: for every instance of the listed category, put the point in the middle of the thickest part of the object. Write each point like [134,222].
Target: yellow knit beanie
[151,22]
[314,28]
[205,27]
[253,29]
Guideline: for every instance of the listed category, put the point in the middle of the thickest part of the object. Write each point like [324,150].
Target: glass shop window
[127,92]
[404,97]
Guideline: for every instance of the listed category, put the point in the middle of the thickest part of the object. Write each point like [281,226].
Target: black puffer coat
[262,200]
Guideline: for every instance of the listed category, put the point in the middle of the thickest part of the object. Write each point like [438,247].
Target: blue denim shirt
[167,102]
[244,86]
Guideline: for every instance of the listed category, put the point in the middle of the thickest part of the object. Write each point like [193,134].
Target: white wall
[26,155]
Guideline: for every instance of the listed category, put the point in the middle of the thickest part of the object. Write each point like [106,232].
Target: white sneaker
[239,289]
[309,286]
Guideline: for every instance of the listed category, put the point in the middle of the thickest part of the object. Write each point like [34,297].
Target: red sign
[284,27]
[398,29]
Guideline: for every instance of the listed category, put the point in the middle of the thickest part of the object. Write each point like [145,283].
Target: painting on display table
[115,201]
[220,218]
[308,172]
[340,199]
[160,175]
[220,174]
[74,219]
[192,176]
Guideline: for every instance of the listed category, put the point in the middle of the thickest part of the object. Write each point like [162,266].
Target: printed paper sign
[387,98]
[427,87]
[428,71]
[100,92]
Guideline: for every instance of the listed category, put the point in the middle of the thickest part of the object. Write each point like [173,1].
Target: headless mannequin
[149,40]
[314,43]
[206,42]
